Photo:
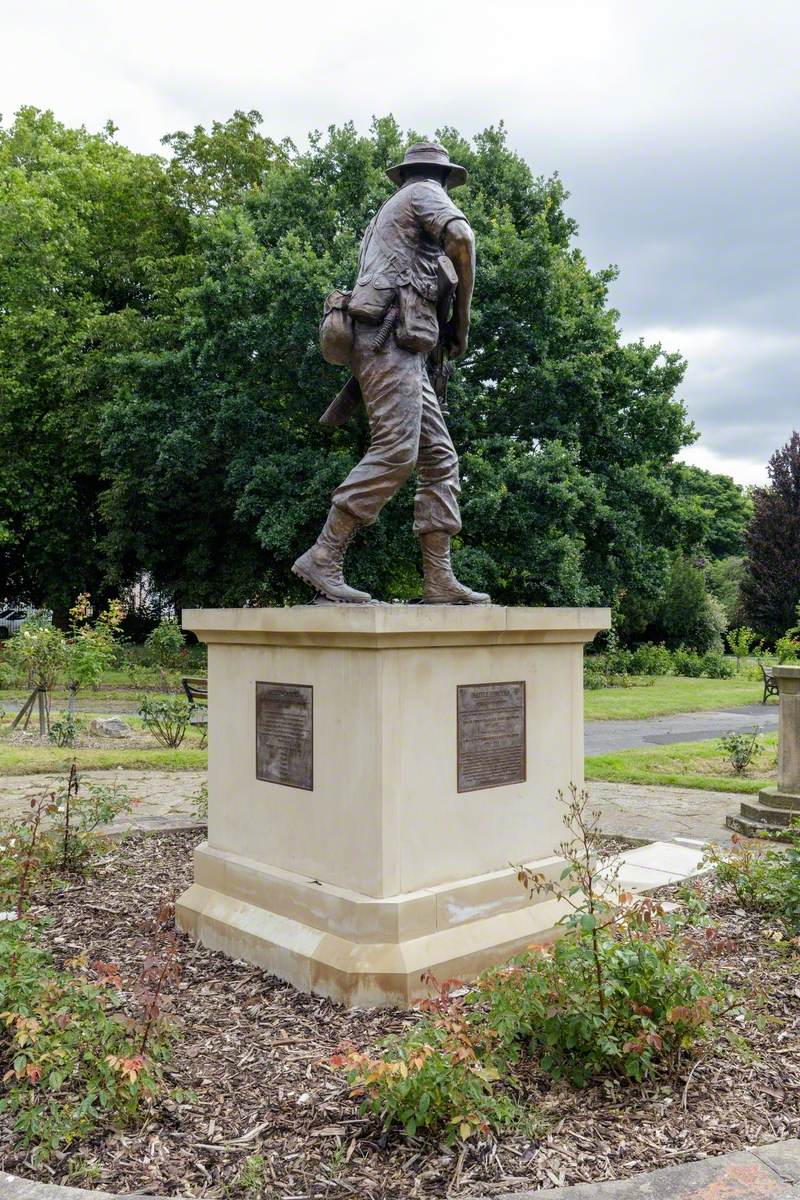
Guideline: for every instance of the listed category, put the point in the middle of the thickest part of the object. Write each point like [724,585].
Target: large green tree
[93,247]
[218,472]
[724,509]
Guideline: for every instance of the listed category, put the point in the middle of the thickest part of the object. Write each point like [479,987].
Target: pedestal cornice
[383,626]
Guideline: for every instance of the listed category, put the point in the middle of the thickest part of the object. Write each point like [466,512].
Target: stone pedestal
[373,772]
[779,807]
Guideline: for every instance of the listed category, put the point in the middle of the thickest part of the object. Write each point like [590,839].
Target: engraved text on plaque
[491,735]
[285,734]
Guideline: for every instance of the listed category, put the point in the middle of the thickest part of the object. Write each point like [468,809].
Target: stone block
[111,727]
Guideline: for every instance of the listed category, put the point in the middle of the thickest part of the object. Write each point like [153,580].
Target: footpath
[165,800]
[604,737]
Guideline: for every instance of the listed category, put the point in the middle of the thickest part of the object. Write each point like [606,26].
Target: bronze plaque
[285,734]
[491,735]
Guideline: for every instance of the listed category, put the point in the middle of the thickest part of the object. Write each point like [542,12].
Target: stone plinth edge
[380,626]
[354,949]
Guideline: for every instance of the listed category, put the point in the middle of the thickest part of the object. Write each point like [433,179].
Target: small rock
[113,727]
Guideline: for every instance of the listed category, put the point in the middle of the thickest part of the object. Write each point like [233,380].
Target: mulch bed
[254,1051]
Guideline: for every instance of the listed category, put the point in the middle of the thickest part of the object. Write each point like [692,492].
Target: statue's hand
[456,340]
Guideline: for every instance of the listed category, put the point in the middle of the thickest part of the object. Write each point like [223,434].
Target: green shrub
[740,749]
[697,666]
[716,666]
[37,653]
[763,878]
[167,720]
[166,645]
[618,994]
[64,731]
[787,648]
[432,1079]
[200,802]
[72,1064]
[649,659]
[55,835]
[593,678]
[743,643]
[621,1005]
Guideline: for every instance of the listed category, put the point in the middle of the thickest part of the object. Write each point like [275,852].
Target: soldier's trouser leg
[436,502]
[392,386]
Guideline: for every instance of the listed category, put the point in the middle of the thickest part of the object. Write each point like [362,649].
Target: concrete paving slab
[783,1158]
[14,1188]
[740,1176]
[643,879]
[652,814]
[655,865]
[671,857]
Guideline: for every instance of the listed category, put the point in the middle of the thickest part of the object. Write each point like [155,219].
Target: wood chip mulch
[254,1052]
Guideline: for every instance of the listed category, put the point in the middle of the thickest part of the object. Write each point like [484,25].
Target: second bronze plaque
[491,735]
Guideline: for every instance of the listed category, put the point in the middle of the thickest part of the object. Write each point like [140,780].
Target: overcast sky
[673,124]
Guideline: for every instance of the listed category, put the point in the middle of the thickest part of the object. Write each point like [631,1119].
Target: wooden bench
[770,686]
[196,690]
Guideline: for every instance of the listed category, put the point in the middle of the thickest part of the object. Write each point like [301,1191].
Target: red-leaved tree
[771,586]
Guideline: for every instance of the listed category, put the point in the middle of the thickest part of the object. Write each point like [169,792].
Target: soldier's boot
[321,566]
[440,584]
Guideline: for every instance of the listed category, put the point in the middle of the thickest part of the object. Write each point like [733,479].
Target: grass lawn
[667,694]
[38,759]
[685,765]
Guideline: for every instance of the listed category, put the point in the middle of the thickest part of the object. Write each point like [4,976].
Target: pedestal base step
[352,973]
[748,827]
[774,814]
[357,949]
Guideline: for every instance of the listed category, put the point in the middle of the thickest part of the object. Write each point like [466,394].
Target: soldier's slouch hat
[428,154]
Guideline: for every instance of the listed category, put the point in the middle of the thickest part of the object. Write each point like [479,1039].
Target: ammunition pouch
[417,325]
[372,297]
[336,329]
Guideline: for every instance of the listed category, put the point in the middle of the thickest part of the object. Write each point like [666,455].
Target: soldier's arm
[459,246]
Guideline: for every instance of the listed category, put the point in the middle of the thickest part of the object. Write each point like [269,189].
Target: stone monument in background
[778,807]
[375,769]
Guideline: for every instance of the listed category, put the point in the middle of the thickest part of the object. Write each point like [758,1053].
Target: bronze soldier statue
[418,246]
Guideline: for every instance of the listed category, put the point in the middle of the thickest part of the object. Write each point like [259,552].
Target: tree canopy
[92,244]
[161,376]
[724,509]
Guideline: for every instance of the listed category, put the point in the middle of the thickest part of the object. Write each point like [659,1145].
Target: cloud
[672,123]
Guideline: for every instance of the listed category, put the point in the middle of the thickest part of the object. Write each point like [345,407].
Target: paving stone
[783,1158]
[740,1176]
[654,814]
[13,1188]
[163,798]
